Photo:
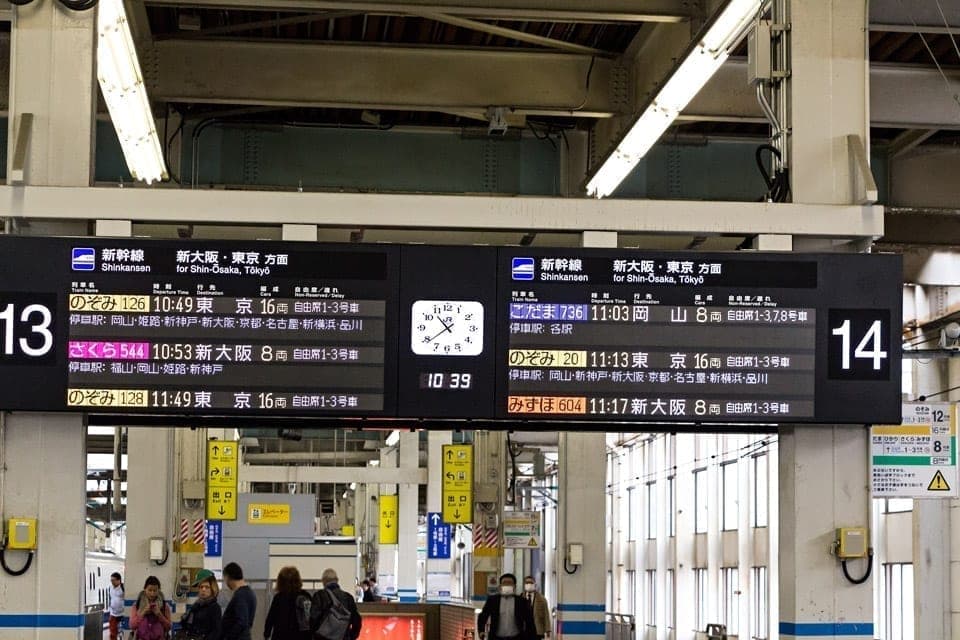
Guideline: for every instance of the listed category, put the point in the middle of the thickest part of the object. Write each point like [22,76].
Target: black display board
[297,330]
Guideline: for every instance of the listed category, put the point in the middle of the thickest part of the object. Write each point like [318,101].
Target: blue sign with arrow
[438,537]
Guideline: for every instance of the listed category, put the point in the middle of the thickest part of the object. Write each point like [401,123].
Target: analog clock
[446,328]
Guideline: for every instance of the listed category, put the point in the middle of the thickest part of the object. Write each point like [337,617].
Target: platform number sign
[26,327]
[859,344]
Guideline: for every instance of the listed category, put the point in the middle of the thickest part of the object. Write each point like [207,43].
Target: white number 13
[42,328]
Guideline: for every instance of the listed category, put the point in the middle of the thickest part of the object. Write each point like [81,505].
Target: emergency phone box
[22,534]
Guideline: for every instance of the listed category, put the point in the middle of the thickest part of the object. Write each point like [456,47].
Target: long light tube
[123,89]
[682,86]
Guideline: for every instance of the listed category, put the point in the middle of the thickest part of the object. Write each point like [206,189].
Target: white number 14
[869,347]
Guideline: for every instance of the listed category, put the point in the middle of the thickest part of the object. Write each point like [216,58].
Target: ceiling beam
[515,34]
[426,212]
[914,17]
[901,97]
[379,77]
[331,475]
[541,10]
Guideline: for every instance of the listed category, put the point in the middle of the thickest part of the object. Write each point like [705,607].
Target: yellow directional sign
[939,483]
[258,513]
[221,503]
[222,465]
[389,510]
[458,483]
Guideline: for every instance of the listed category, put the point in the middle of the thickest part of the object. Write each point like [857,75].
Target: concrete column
[932,534]
[46,465]
[824,470]
[685,541]
[953,380]
[582,511]
[52,77]
[151,507]
[387,553]
[407,587]
[824,475]
[828,96]
[439,575]
[43,462]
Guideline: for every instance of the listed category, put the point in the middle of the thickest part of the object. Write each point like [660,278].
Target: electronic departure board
[511,335]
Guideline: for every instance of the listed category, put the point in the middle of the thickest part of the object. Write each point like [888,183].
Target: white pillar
[582,514]
[387,553]
[408,522]
[151,509]
[439,575]
[824,472]
[51,78]
[46,468]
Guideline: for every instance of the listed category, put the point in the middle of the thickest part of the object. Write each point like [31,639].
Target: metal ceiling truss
[540,10]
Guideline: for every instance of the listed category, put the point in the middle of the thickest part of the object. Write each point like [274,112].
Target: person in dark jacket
[283,619]
[238,618]
[323,602]
[368,595]
[203,618]
[508,615]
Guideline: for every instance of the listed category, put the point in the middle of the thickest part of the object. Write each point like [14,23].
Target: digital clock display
[446,380]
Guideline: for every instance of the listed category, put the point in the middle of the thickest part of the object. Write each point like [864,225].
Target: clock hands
[446,329]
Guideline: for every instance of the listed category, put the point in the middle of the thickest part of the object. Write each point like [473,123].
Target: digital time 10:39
[446,380]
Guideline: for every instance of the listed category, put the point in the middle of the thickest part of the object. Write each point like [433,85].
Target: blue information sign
[438,537]
[214,547]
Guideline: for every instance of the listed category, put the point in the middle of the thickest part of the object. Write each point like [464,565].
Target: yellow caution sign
[389,512]
[457,483]
[939,483]
[259,513]
[222,464]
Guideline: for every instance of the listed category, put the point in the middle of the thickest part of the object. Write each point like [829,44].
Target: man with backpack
[334,612]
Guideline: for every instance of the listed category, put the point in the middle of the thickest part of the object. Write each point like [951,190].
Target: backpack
[335,624]
[302,608]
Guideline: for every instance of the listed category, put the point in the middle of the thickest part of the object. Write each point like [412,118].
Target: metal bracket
[864,186]
[21,145]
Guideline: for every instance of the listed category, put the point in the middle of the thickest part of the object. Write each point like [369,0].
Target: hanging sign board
[222,465]
[458,483]
[918,458]
[389,512]
[521,530]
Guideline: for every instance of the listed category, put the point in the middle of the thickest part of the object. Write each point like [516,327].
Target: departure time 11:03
[446,380]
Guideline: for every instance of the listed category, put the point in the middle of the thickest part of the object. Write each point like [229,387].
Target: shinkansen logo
[83,259]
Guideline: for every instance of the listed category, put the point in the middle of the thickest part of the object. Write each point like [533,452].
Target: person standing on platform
[509,616]
[289,615]
[541,609]
[334,614]
[368,595]
[238,618]
[116,604]
[150,616]
[202,621]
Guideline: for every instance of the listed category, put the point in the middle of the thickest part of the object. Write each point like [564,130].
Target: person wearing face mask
[541,610]
[508,616]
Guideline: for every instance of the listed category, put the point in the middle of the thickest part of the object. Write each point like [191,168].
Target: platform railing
[620,626]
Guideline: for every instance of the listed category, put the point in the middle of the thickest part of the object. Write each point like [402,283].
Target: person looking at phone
[150,617]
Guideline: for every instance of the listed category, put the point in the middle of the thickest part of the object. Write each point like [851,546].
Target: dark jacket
[203,619]
[491,613]
[238,617]
[281,621]
[322,602]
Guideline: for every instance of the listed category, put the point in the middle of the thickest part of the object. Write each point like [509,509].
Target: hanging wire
[946,81]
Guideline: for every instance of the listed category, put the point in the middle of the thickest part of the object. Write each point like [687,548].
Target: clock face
[446,328]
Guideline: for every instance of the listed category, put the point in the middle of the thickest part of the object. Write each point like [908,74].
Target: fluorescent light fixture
[374,463]
[684,83]
[353,486]
[121,83]
[393,438]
